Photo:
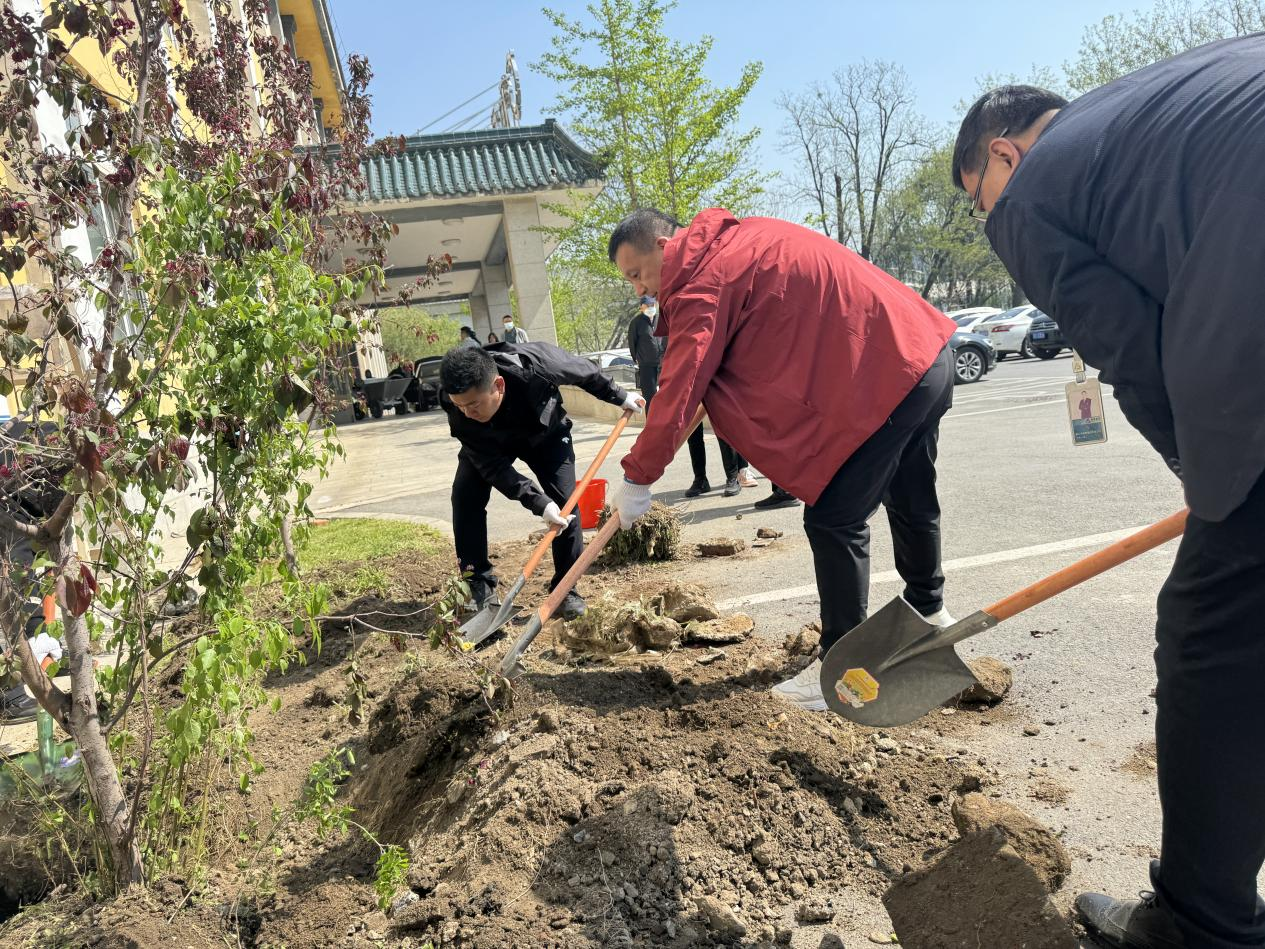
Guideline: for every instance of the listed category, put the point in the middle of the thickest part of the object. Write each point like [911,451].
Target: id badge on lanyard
[1085,406]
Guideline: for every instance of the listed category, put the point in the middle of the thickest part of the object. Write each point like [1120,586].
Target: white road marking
[1008,408]
[961,563]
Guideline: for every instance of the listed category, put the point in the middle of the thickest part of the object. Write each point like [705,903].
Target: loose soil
[665,799]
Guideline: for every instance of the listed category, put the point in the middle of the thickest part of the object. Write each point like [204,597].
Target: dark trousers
[1211,663]
[730,460]
[553,464]
[895,467]
[648,381]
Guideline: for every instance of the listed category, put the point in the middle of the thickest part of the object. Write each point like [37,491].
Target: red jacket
[798,349]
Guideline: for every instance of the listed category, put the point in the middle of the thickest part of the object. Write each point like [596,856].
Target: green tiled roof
[489,161]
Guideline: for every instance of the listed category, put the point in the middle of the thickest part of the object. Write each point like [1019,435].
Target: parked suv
[1045,339]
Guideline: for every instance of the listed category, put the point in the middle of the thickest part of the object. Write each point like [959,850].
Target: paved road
[1019,502]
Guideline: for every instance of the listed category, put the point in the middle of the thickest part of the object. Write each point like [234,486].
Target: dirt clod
[805,642]
[719,632]
[994,681]
[767,533]
[721,547]
[979,892]
[720,919]
[1033,841]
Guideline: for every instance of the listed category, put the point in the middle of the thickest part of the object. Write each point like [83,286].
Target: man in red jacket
[826,373]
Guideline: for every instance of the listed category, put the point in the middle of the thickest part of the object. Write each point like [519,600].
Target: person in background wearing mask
[511,333]
[645,349]
[504,406]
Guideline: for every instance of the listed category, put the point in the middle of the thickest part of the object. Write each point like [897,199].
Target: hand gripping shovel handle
[547,609]
[603,537]
[538,554]
[1105,559]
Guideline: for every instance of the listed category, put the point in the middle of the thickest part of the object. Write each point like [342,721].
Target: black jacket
[1136,221]
[641,343]
[531,413]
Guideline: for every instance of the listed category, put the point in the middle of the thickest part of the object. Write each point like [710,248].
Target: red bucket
[591,503]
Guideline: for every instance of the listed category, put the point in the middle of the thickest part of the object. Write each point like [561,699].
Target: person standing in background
[511,333]
[644,348]
[468,339]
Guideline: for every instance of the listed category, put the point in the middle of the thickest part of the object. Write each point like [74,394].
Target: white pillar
[496,291]
[481,318]
[527,269]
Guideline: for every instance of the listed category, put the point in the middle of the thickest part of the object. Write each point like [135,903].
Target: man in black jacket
[503,405]
[1133,216]
[644,348]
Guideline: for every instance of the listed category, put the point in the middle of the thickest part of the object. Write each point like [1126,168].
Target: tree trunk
[85,728]
[287,542]
[839,209]
[1016,295]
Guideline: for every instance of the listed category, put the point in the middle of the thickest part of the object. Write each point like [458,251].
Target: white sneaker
[805,689]
[940,617]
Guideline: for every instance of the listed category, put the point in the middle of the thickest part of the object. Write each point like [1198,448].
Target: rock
[811,914]
[762,670]
[721,547]
[979,892]
[889,746]
[715,632]
[720,919]
[547,721]
[882,939]
[655,632]
[376,921]
[767,533]
[712,655]
[763,854]
[1032,730]
[541,746]
[685,602]
[402,899]
[831,941]
[994,681]
[606,857]
[805,642]
[1035,843]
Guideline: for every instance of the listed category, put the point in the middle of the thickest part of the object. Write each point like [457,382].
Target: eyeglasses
[977,212]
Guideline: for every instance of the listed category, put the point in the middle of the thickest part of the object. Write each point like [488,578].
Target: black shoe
[732,488]
[482,595]
[573,606]
[1130,924]
[778,498]
[16,706]
[700,486]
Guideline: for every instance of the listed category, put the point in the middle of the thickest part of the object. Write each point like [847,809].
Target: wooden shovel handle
[585,560]
[1146,539]
[538,554]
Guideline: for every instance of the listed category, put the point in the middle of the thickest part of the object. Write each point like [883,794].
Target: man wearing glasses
[1135,217]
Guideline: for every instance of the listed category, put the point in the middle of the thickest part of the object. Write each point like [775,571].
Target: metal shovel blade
[864,679]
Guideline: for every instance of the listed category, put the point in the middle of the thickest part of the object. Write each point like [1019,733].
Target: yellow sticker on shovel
[857,687]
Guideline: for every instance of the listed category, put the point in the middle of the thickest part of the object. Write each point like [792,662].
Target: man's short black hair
[467,368]
[1010,108]
[640,229]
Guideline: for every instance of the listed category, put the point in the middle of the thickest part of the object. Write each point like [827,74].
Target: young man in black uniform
[503,405]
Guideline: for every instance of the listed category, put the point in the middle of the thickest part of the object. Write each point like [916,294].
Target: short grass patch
[357,539]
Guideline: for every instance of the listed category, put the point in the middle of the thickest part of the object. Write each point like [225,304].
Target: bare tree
[804,137]
[868,109]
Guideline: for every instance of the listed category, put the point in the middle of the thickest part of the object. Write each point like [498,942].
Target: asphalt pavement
[1019,502]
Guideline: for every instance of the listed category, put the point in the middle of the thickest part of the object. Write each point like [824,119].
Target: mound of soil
[663,804]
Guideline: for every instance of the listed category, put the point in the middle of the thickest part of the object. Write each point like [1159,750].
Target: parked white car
[616,365]
[971,317]
[1008,330]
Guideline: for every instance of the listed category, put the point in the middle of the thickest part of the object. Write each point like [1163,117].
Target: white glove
[634,501]
[634,403]
[553,517]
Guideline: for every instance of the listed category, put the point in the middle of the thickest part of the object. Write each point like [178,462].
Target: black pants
[896,466]
[648,381]
[730,460]
[553,464]
[1211,663]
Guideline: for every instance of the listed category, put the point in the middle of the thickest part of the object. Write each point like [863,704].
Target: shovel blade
[484,624]
[860,681]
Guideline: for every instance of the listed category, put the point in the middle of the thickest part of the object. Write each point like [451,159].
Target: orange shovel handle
[539,552]
[1146,539]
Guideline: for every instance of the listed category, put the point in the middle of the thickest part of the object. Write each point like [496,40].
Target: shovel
[510,663]
[491,618]
[896,667]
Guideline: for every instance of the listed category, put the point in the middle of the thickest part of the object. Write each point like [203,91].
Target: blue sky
[428,57]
